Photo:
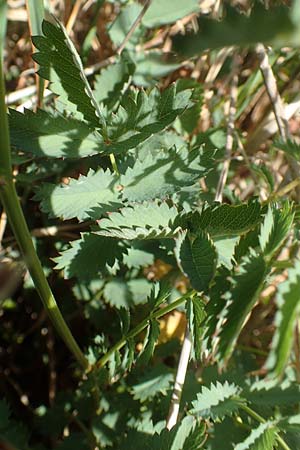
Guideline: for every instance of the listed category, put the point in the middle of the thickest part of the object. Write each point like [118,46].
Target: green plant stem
[11,204]
[260,419]
[140,327]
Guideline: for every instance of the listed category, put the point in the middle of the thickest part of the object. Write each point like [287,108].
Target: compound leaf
[136,119]
[140,115]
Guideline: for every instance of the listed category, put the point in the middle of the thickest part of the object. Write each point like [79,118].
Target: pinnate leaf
[136,119]
[140,115]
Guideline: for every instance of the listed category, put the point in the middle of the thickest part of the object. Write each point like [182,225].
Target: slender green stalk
[140,327]
[11,204]
[260,419]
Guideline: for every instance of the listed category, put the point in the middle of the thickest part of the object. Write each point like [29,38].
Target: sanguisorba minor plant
[148,190]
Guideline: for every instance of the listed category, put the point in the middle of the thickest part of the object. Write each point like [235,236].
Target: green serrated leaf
[136,258]
[60,63]
[117,294]
[275,228]
[89,256]
[162,174]
[274,395]
[158,295]
[189,434]
[226,220]
[217,401]
[195,316]
[288,308]
[136,119]
[140,115]
[156,381]
[94,192]
[129,354]
[43,134]
[140,289]
[148,220]
[111,80]
[216,304]
[196,255]
[246,285]
[261,438]
[150,341]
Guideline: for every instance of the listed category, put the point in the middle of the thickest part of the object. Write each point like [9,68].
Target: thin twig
[73,15]
[179,381]
[277,105]
[271,87]
[134,26]
[230,133]
[3,223]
